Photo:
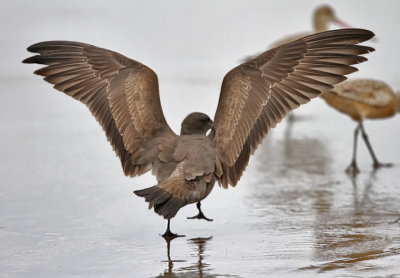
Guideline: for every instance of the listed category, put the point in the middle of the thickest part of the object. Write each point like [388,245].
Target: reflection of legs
[200,215]
[352,168]
[377,164]
[168,235]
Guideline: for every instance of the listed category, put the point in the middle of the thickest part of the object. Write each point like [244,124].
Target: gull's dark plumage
[123,96]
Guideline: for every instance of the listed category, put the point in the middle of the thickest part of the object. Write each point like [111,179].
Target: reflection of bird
[285,158]
[123,96]
[355,238]
[359,205]
[364,99]
[197,269]
[322,17]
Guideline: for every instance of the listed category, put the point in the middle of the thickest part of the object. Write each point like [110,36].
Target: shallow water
[66,210]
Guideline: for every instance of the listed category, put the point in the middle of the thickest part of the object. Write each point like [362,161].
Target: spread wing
[122,94]
[258,94]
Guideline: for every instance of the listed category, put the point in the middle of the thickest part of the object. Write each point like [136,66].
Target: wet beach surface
[66,209]
[69,210]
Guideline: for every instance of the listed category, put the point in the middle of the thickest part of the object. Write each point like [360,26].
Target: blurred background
[67,210]
[198,42]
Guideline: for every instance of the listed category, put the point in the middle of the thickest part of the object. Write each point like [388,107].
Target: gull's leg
[200,215]
[353,168]
[376,164]
[168,235]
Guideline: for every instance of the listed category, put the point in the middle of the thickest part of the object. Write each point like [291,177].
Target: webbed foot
[200,215]
[168,235]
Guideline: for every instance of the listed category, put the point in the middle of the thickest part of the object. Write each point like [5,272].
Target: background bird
[123,96]
[364,99]
[323,16]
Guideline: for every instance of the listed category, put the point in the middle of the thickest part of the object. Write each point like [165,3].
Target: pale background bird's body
[364,99]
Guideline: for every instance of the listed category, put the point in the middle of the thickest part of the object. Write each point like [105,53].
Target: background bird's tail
[163,202]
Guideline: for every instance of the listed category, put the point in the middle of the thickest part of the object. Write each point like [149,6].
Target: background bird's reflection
[292,156]
[349,235]
[347,219]
[286,167]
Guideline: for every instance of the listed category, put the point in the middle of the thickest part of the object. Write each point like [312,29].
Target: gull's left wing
[121,93]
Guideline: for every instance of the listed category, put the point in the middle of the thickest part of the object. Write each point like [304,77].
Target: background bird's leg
[200,215]
[353,168]
[168,235]
[377,164]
